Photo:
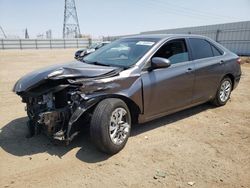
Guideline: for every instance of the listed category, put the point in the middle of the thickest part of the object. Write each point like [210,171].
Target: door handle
[189,70]
[222,62]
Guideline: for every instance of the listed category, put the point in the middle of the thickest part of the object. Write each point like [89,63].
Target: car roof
[163,36]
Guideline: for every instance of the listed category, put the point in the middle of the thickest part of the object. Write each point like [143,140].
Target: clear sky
[118,17]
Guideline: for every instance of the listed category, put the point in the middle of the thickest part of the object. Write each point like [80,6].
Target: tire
[219,100]
[107,127]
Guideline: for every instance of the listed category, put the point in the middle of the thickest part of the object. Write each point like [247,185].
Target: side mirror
[80,54]
[159,62]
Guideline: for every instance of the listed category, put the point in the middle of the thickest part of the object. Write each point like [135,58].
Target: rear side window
[201,48]
[175,51]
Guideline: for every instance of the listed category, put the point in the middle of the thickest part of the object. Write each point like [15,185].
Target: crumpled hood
[69,70]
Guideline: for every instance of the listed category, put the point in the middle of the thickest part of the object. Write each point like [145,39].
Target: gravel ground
[199,147]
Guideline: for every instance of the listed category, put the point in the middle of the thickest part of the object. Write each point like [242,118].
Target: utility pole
[26,34]
[3,32]
[71,27]
[49,34]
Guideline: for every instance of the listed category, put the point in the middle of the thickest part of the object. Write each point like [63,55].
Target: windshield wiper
[95,63]
[98,63]
[102,64]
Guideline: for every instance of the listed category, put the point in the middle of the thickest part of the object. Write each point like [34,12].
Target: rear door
[209,67]
[168,89]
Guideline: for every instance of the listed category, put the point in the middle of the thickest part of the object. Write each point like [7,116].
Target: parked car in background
[132,80]
[83,52]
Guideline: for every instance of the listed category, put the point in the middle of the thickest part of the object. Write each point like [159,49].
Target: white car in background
[83,52]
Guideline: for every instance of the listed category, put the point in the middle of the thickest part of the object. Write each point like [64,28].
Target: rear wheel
[223,93]
[110,125]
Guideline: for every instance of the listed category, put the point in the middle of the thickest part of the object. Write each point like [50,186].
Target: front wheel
[110,125]
[223,92]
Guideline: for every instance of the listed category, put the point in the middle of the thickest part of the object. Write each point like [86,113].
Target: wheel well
[133,107]
[231,78]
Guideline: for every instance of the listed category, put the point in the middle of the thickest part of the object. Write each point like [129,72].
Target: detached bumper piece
[54,123]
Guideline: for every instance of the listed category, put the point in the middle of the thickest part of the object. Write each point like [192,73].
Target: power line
[191,10]
[163,11]
[164,8]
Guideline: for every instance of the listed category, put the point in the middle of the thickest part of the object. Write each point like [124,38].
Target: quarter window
[216,52]
[201,48]
[175,51]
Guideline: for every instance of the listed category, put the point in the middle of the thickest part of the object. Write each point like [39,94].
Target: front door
[168,89]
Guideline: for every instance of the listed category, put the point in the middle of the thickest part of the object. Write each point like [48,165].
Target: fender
[83,107]
[132,96]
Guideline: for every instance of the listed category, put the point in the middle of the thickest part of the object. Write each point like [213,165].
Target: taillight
[239,61]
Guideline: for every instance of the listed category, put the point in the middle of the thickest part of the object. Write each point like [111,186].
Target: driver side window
[175,50]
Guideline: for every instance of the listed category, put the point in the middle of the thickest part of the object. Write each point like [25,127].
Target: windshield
[121,53]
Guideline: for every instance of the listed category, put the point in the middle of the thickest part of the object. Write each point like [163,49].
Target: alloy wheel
[119,126]
[225,90]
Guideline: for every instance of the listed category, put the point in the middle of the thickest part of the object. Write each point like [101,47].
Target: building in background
[234,36]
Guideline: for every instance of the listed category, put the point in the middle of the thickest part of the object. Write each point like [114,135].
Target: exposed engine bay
[50,113]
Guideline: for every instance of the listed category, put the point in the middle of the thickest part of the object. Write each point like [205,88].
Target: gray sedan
[131,80]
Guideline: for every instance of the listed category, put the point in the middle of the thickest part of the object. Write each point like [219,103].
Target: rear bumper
[236,81]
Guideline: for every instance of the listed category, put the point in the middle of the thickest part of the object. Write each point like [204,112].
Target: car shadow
[169,119]
[13,138]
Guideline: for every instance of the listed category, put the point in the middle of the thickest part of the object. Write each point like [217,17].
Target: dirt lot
[206,146]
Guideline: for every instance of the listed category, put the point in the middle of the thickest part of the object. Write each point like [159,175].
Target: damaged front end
[54,113]
[54,102]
